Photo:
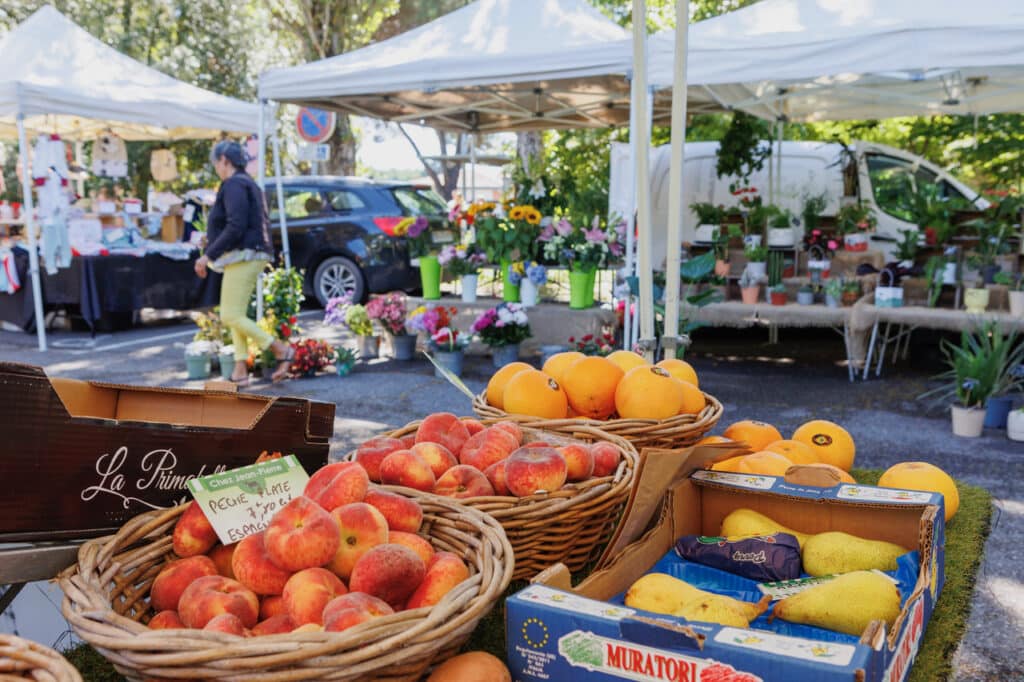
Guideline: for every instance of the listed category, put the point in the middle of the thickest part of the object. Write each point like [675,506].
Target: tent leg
[781,127]
[285,250]
[630,269]
[670,335]
[261,156]
[643,183]
[472,166]
[30,230]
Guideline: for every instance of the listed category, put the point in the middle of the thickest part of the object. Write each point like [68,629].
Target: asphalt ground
[784,384]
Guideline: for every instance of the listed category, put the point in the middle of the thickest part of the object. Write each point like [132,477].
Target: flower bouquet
[389,311]
[416,231]
[311,356]
[341,310]
[583,251]
[463,262]
[532,277]
[503,328]
[510,239]
[591,344]
[445,341]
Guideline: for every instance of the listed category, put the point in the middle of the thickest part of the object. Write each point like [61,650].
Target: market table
[112,284]
[551,323]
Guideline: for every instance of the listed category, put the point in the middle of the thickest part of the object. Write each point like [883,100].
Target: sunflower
[402,228]
[517,212]
[532,215]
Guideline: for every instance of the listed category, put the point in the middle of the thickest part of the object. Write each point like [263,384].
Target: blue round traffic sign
[315,125]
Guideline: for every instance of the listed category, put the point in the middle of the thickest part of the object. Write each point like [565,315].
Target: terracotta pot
[722,268]
[779,298]
[749,294]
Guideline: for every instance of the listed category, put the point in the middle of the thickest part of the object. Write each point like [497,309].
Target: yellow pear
[848,603]
[742,522]
[661,593]
[835,552]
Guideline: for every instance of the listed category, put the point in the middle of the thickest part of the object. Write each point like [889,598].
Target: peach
[352,609]
[444,428]
[408,469]
[512,429]
[272,605]
[309,627]
[417,543]
[175,577]
[606,458]
[227,623]
[165,620]
[408,441]
[362,526]
[213,595]
[221,555]
[445,572]
[390,572]
[193,533]
[579,461]
[463,481]
[401,512]
[275,625]
[371,453]
[532,470]
[301,535]
[255,569]
[437,456]
[487,447]
[337,484]
[538,444]
[473,426]
[307,592]
[496,475]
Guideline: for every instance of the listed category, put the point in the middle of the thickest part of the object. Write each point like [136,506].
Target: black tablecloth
[112,284]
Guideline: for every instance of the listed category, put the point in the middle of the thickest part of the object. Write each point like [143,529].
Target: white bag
[109,156]
[888,296]
[162,165]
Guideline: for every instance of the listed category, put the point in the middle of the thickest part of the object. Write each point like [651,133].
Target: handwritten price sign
[241,502]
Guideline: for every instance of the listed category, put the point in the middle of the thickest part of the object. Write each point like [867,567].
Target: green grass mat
[965,542]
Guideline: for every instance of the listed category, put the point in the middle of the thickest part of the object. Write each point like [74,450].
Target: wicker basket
[569,525]
[676,432]
[106,598]
[21,659]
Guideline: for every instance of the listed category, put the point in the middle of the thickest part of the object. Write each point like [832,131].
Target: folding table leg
[906,344]
[871,350]
[885,345]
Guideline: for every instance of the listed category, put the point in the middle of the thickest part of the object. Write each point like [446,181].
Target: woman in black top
[238,234]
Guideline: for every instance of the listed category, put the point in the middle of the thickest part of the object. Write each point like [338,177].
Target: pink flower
[832,245]
[547,233]
[563,227]
[595,235]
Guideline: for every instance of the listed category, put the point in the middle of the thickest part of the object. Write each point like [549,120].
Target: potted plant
[341,310]
[992,233]
[851,292]
[448,347]
[417,233]
[592,344]
[814,206]
[344,360]
[933,275]
[750,287]
[503,328]
[1015,284]
[211,329]
[976,298]
[311,356]
[833,292]
[720,245]
[752,213]
[890,294]
[1015,425]
[805,295]
[982,365]
[777,294]
[780,228]
[583,251]
[853,223]
[757,260]
[820,248]
[463,262]
[534,277]
[198,355]
[389,311]
[709,220]
[509,239]
[907,248]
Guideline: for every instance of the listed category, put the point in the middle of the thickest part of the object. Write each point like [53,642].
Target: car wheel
[338,276]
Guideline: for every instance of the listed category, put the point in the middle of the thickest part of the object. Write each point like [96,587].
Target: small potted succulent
[1015,286]
[344,360]
[833,292]
[851,292]
[757,260]
[805,295]
[777,294]
[750,287]
[853,223]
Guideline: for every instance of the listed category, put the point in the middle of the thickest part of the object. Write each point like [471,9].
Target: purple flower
[499,324]
[418,226]
[595,234]
[563,227]
[616,248]
[547,233]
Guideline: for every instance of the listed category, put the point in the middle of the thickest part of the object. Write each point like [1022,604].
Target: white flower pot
[780,236]
[949,274]
[705,234]
[469,288]
[1015,425]
[968,422]
[752,240]
[855,242]
[1017,303]
[527,293]
[758,270]
[976,300]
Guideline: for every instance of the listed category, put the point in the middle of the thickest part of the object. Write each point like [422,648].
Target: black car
[341,232]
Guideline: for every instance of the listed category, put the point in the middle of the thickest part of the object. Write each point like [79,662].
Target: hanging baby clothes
[109,156]
[50,173]
[9,280]
[162,165]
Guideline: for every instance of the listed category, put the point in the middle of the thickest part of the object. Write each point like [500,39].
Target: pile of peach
[462,458]
[338,555]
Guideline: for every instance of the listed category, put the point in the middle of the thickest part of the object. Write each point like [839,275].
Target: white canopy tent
[57,78]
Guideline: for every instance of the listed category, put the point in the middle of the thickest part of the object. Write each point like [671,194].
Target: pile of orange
[621,385]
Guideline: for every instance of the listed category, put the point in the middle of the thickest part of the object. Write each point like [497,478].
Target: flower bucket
[403,347]
[227,364]
[1017,303]
[752,241]
[749,294]
[997,411]
[805,297]
[450,360]
[528,293]
[856,242]
[504,355]
[198,366]
[469,288]
[1015,425]
[976,300]
[510,292]
[369,347]
[968,422]
[581,289]
[781,236]
[430,277]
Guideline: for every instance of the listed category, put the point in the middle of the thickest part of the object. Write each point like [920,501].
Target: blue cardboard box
[559,632]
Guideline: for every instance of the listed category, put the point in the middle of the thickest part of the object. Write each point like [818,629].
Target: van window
[344,200]
[892,182]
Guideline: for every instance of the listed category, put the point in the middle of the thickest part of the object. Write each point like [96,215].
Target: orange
[693,399]
[764,463]
[649,393]
[754,433]
[680,370]
[559,362]
[626,360]
[534,393]
[794,451]
[730,464]
[711,440]
[830,442]
[590,384]
[923,476]
[496,386]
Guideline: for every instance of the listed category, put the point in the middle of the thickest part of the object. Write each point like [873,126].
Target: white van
[883,177]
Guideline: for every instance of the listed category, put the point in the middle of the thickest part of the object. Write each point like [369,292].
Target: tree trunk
[343,149]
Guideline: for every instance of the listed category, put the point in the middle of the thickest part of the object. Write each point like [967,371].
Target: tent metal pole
[30,230]
[283,221]
[79,161]
[777,192]
[472,166]
[630,269]
[643,182]
[670,335]
[261,156]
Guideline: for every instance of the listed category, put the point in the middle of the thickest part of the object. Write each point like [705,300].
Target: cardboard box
[172,228]
[81,458]
[559,632]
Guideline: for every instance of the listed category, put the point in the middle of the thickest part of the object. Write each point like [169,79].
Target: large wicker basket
[106,602]
[676,432]
[570,525]
[21,659]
